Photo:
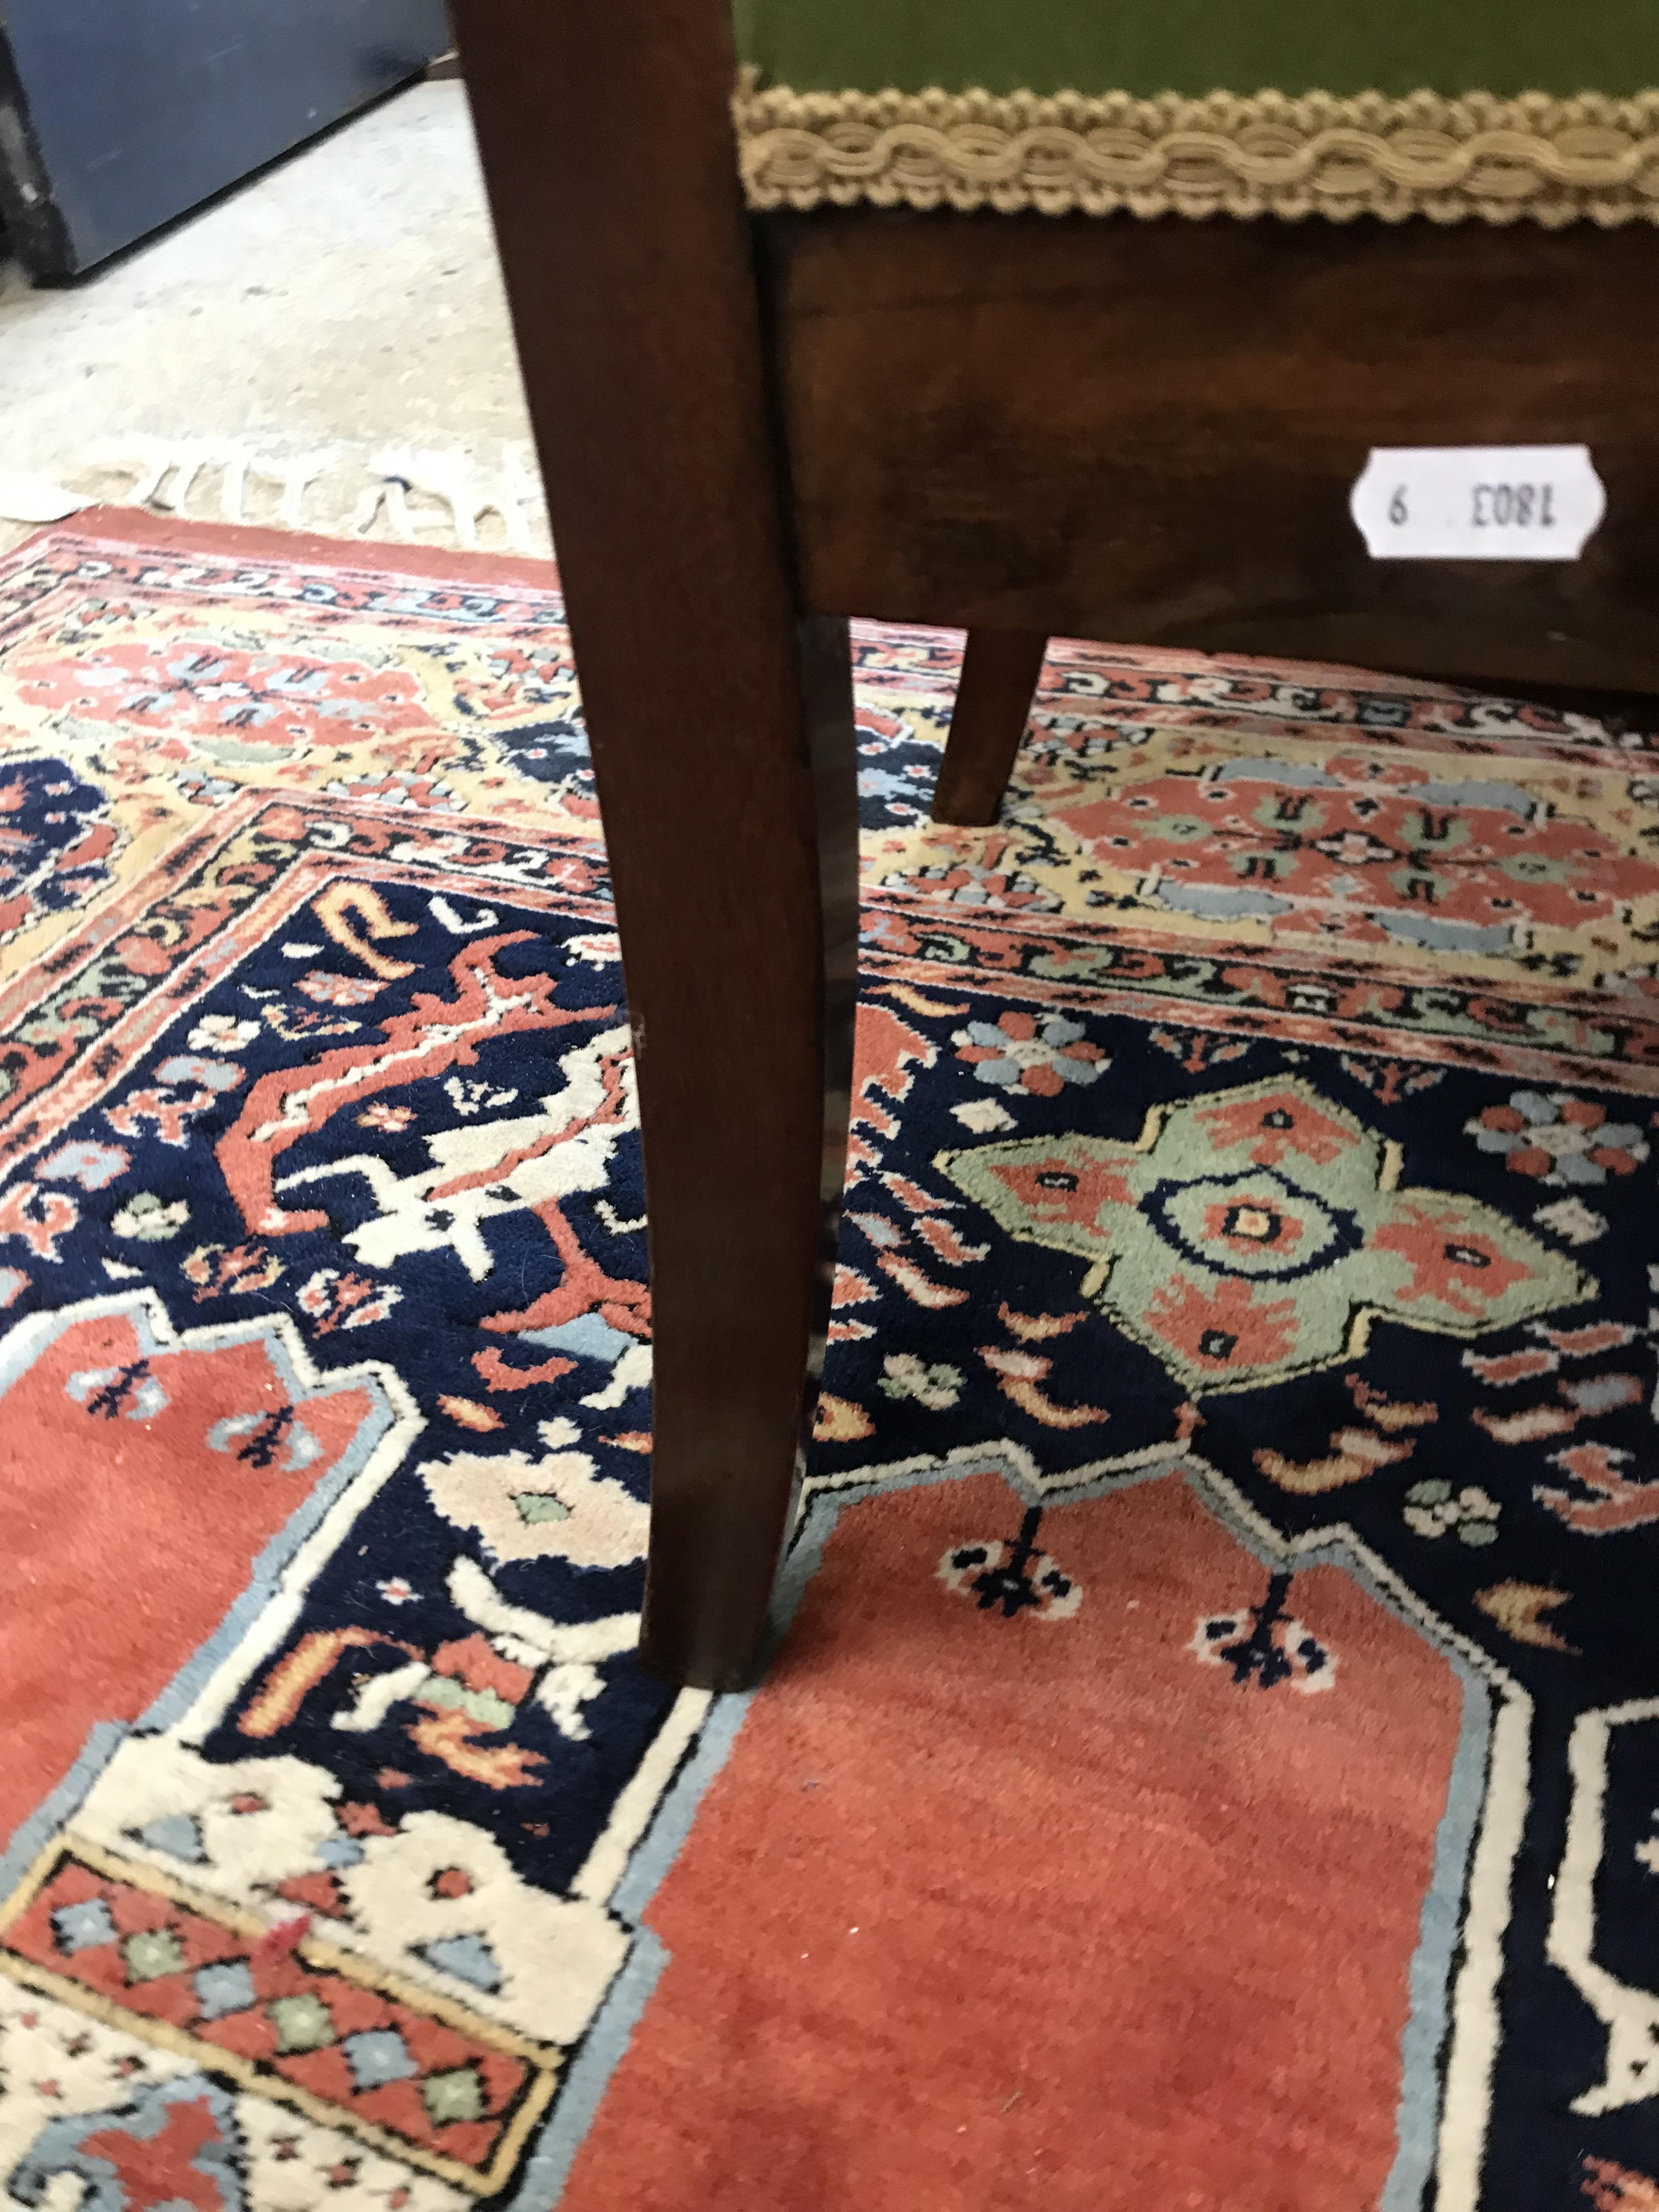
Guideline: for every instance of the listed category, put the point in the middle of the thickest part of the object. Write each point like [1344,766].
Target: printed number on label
[1494,506]
[1477,502]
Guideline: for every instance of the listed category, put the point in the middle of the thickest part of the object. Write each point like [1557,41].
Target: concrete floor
[297,353]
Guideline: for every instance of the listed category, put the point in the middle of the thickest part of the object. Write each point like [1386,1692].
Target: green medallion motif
[1253,1235]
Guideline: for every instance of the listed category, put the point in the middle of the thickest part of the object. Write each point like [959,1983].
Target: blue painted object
[116,116]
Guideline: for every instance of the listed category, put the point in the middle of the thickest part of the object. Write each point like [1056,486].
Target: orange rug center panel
[1213,1756]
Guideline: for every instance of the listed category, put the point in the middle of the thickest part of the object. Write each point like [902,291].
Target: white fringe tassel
[413,494]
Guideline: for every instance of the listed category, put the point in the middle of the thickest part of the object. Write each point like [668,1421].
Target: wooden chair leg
[1000,673]
[743,1013]
[722,737]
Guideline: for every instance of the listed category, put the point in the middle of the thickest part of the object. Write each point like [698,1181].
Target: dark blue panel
[121,114]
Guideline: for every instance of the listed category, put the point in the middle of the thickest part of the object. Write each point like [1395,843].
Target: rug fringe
[412,495]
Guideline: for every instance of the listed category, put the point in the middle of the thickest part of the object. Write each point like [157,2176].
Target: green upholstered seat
[1500,108]
[1196,46]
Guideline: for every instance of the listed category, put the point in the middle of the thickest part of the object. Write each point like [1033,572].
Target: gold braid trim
[1548,161]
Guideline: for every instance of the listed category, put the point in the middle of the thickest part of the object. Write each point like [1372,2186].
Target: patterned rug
[1214,1762]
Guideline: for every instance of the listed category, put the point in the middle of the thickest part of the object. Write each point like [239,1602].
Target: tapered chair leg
[1000,673]
[722,735]
[742,1020]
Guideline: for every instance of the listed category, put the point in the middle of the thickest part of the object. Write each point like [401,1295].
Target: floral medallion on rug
[1213,1760]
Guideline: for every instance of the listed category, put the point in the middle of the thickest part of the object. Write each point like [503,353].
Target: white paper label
[1477,502]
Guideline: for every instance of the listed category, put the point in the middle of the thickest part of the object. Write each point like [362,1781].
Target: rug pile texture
[1214,1760]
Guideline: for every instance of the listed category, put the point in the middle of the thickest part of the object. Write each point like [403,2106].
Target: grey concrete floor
[297,353]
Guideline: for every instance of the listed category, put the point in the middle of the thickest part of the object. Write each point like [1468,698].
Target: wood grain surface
[1147,432]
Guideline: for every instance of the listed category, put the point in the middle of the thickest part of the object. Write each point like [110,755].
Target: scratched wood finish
[1147,431]
[722,738]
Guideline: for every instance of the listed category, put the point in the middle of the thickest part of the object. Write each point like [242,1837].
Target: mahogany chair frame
[752,428]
